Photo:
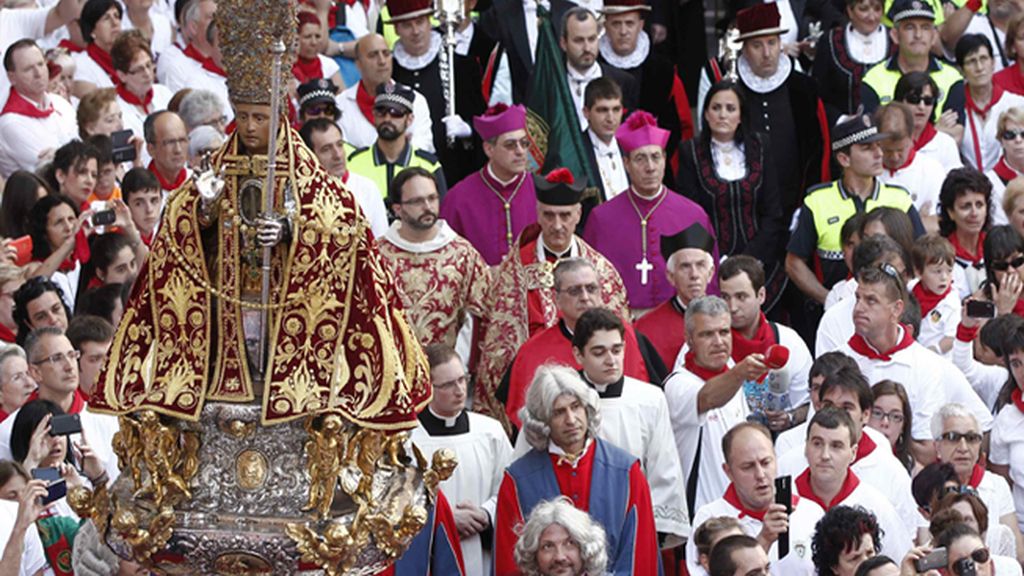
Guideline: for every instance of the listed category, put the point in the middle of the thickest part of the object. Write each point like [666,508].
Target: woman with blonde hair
[1010,132]
[98,113]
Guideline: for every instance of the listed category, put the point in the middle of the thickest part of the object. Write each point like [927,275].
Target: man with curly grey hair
[560,540]
[560,421]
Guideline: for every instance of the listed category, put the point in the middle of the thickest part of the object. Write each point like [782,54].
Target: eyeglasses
[390,111]
[916,99]
[71,357]
[183,142]
[1004,265]
[148,67]
[1011,134]
[461,380]
[421,201]
[967,565]
[320,109]
[577,291]
[511,145]
[896,417]
[956,437]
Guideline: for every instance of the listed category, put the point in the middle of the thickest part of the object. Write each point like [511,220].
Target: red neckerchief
[910,159]
[102,57]
[926,136]
[168,186]
[130,97]
[3,415]
[18,104]
[70,46]
[976,476]
[80,253]
[77,403]
[306,70]
[365,101]
[1004,171]
[7,335]
[205,61]
[733,498]
[865,447]
[803,485]
[1015,396]
[703,373]
[997,92]
[1018,308]
[147,239]
[861,346]
[928,299]
[762,340]
[963,254]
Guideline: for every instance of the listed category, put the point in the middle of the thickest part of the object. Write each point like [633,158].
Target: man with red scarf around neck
[884,349]
[958,440]
[828,481]
[741,281]
[181,63]
[705,398]
[167,143]
[750,466]
[32,121]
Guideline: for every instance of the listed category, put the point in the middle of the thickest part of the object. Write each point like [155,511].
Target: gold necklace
[643,266]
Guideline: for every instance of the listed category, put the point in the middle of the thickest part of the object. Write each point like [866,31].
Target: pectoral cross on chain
[644,267]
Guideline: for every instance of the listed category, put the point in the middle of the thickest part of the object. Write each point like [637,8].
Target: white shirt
[134,116]
[371,200]
[98,428]
[998,189]
[988,142]
[836,326]
[896,540]
[483,453]
[802,521]
[879,468]
[638,422]
[841,291]
[609,164]
[690,427]
[730,163]
[986,380]
[15,25]
[994,491]
[918,370]
[530,12]
[1006,448]
[922,178]
[23,138]
[163,30]
[360,132]
[943,147]
[787,20]
[174,69]
[578,86]
[33,559]
[87,70]
[940,322]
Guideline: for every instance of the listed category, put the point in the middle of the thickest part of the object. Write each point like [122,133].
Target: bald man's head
[373,59]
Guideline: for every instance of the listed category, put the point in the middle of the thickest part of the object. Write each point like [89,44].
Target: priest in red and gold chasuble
[338,340]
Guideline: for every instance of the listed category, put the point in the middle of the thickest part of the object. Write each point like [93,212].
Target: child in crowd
[932,257]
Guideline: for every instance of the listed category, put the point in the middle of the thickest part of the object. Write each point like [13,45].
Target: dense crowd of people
[780,331]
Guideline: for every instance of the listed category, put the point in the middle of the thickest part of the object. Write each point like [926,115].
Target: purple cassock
[614,229]
[488,214]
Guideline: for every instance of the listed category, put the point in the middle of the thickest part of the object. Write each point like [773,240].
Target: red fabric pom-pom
[496,109]
[560,176]
[639,119]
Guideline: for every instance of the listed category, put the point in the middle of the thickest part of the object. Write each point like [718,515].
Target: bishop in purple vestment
[492,206]
[627,229]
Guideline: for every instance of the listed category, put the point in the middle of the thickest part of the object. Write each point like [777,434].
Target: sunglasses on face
[916,99]
[1011,134]
[319,109]
[390,111]
[1004,265]
[956,437]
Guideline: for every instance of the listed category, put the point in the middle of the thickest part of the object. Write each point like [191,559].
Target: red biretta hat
[639,130]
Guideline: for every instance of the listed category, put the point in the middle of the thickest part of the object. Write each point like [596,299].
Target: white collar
[499,180]
[601,147]
[531,5]
[631,60]
[725,147]
[557,450]
[448,422]
[593,73]
[764,85]
[866,38]
[445,235]
[410,62]
[464,39]
[574,250]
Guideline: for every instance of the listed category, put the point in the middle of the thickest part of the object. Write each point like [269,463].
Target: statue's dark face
[253,125]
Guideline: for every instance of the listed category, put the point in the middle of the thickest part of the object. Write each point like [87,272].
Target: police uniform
[879,83]
[827,206]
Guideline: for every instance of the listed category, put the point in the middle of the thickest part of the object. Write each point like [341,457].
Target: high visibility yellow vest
[375,167]
[831,206]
